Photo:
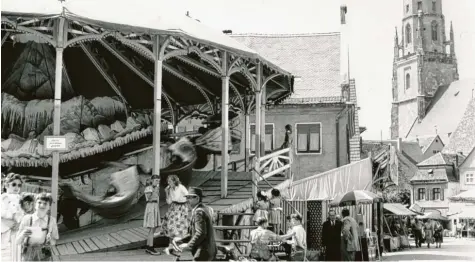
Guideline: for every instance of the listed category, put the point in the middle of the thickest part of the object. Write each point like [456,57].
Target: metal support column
[225,126]
[258,126]
[157,104]
[247,139]
[263,120]
[60,41]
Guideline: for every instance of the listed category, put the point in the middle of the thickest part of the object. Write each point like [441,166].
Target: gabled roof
[425,141]
[426,175]
[463,139]
[314,59]
[410,150]
[413,150]
[439,159]
[446,111]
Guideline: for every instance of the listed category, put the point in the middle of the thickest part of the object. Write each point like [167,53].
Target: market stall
[463,212]
[397,224]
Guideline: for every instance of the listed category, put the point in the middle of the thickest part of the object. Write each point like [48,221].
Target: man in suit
[350,243]
[201,233]
[331,237]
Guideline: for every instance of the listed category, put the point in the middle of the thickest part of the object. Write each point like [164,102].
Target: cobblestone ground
[452,250]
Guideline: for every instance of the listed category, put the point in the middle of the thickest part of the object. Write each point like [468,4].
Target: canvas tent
[327,185]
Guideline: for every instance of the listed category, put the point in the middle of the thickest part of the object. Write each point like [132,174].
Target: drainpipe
[337,127]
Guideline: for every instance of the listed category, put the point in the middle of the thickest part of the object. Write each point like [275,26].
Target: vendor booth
[346,185]
[397,224]
[462,207]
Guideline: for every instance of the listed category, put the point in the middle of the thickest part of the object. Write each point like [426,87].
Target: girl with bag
[151,218]
[38,231]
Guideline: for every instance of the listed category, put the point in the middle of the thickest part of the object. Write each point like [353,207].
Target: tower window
[434,7]
[407,8]
[408,81]
[408,34]
[434,29]
[419,5]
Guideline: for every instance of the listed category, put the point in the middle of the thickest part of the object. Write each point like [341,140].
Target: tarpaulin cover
[398,209]
[327,185]
[142,16]
[467,196]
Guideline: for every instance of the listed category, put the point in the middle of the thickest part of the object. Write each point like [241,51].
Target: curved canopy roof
[122,34]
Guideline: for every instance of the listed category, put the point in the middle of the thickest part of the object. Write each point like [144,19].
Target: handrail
[265,180]
[274,154]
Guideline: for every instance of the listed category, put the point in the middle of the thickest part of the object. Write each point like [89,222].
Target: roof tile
[313,58]
[463,138]
[446,111]
[430,175]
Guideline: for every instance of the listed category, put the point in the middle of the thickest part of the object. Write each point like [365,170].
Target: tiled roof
[446,111]
[313,58]
[424,141]
[439,159]
[431,175]
[463,139]
[413,150]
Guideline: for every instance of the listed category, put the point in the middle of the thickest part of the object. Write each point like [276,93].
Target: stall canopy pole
[224,126]
[157,105]
[60,41]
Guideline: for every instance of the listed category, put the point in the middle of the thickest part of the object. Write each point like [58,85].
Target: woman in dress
[261,207]
[429,232]
[177,219]
[151,218]
[11,213]
[438,234]
[275,214]
[36,245]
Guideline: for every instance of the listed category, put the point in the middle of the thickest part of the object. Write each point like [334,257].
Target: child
[27,203]
[36,247]
[261,207]
[151,218]
[275,214]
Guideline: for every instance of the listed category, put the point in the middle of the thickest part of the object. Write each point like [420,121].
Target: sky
[370,26]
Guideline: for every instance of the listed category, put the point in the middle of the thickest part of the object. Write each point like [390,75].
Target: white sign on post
[55,143]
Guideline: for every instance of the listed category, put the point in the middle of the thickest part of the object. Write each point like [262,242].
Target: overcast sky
[371,25]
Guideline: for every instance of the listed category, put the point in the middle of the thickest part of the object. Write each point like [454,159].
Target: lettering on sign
[55,143]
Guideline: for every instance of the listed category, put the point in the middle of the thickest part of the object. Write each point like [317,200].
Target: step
[229,241]
[235,214]
[234,227]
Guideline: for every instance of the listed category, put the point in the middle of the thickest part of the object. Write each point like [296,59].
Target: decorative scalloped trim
[38,161]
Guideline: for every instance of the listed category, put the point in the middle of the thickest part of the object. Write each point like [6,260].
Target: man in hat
[201,233]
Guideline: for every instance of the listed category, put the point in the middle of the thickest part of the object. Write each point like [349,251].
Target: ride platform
[117,241]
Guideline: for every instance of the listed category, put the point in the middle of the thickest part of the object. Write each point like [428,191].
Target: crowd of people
[429,232]
[28,229]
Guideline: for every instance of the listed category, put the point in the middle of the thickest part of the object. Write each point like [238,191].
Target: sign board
[56,143]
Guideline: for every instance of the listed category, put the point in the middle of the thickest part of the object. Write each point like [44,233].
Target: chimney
[344,57]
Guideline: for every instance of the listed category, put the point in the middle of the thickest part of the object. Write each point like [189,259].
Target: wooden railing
[240,165]
[275,163]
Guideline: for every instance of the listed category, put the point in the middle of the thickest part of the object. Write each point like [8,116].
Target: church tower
[424,60]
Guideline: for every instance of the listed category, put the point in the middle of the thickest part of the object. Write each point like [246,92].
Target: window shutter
[417,195]
[427,194]
[442,194]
